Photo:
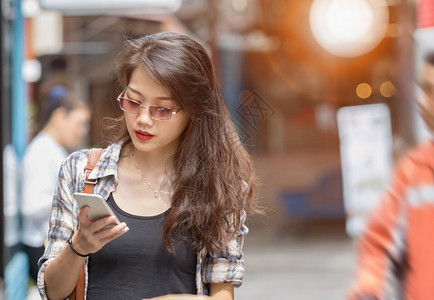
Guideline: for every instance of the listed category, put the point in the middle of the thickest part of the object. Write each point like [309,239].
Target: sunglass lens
[160,113]
[130,106]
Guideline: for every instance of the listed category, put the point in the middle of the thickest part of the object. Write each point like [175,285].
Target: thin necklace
[156,192]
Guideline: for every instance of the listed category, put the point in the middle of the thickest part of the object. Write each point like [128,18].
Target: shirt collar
[108,163]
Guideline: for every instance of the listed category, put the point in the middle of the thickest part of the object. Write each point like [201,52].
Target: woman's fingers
[114,232]
[82,214]
[92,236]
[94,241]
[99,224]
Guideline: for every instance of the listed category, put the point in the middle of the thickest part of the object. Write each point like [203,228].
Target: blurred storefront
[306,84]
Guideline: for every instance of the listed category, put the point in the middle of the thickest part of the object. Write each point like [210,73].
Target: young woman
[177,178]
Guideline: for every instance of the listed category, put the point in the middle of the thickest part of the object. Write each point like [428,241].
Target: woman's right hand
[92,236]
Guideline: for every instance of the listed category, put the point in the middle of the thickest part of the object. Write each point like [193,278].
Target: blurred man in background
[396,251]
[65,121]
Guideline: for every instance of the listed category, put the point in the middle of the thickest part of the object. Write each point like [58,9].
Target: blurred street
[311,267]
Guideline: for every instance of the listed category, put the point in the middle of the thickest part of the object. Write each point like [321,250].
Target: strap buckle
[86,180]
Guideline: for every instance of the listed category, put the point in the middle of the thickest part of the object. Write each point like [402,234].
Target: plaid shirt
[395,259]
[225,266]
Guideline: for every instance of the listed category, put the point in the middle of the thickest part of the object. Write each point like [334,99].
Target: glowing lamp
[349,28]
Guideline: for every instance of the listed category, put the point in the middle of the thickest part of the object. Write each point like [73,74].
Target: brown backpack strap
[94,155]
[78,293]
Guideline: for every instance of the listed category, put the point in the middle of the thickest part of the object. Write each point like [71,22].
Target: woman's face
[148,134]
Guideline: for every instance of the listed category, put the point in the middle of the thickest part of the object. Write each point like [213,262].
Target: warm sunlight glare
[349,28]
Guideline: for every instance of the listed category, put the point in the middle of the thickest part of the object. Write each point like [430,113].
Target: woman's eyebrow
[141,95]
[134,90]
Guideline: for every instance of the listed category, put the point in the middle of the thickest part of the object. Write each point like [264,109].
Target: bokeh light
[349,28]
[387,89]
[363,90]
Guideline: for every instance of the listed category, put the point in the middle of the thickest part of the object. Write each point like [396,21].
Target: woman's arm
[58,282]
[222,291]
[89,238]
[218,291]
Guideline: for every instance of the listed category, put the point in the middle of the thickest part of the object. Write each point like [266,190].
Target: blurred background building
[287,69]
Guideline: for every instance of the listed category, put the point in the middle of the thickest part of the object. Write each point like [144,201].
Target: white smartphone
[98,206]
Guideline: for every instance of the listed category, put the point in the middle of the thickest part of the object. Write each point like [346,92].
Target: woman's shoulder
[78,155]
[76,159]
[79,158]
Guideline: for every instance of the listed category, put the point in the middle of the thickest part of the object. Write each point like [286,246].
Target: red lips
[143,135]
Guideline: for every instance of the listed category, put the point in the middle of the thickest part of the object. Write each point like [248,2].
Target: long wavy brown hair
[214,179]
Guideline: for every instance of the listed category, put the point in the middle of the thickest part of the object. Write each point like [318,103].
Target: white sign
[101,5]
[367,159]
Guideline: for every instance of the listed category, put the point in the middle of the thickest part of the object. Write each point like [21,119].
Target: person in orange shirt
[396,251]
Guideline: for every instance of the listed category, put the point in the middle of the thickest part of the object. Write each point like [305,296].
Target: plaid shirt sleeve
[226,265]
[63,220]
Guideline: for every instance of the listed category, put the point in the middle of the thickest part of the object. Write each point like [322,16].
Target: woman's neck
[151,163]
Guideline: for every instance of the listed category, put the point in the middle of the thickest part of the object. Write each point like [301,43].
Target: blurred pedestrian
[395,258]
[176,174]
[64,120]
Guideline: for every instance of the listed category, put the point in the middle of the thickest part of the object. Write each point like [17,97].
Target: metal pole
[2,138]
[19,89]
[16,272]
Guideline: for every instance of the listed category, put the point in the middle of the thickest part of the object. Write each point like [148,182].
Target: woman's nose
[144,117]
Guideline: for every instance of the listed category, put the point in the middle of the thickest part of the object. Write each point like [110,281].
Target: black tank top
[136,265]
